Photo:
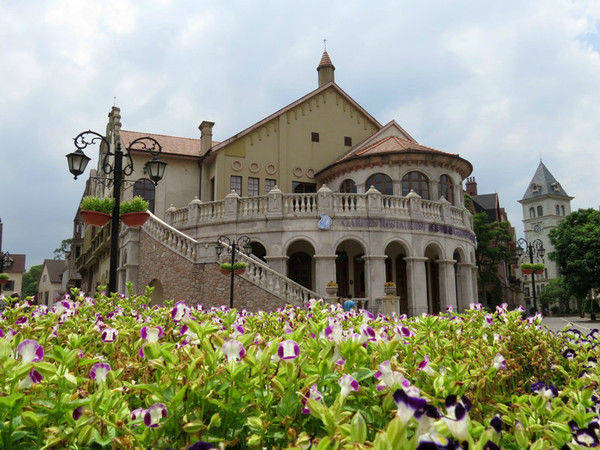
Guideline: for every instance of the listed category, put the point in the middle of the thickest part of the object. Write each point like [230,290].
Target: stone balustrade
[277,205]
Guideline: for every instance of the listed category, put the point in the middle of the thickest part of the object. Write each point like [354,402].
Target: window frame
[384,183]
[422,184]
[346,183]
[447,185]
[267,184]
[143,187]
[232,187]
[347,141]
[250,189]
[314,136]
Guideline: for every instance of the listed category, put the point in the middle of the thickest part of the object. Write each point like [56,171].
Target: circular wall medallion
[297,172]
[271,169]
[254,167]
[537,228]
[236,165]
[310,173]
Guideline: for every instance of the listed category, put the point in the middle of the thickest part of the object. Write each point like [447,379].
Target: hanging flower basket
[225,271]
[527,271]
[135,219]
[3,281]
[529,268]
[539,271]
[239,271]
[95,218]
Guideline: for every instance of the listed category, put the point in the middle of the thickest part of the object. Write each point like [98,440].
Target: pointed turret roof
[325,61]
[544,183]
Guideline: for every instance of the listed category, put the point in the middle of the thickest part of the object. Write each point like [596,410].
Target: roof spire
[324,44]
[325,68]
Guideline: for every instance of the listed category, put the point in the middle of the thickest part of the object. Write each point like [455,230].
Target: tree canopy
[31,279]
[576,243]
[494,246]
[63,250]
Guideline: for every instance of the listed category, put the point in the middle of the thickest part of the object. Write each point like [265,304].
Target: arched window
[446,188]
[417,182]
[563,209]
[531,212]
[348,186]
[557,210]
[540,211]
[381,182]
[145,188]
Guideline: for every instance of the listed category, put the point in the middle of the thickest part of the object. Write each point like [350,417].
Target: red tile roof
[325,60]
[18,265]
[173,145]
[390,144]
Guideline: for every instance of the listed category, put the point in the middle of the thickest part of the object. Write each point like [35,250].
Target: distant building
[508,273]
[49,287]
[15,271]
[545,204]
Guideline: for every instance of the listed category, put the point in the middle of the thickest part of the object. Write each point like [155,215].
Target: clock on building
[537,228]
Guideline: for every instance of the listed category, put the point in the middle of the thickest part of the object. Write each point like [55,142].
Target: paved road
[558,323]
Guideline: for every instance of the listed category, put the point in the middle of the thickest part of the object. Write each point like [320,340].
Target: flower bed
[117,373]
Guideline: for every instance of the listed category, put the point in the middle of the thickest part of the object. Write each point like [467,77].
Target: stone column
[130,262]
[374,276]
[324,272]
[447,284]
[416,280]
[474,281]
[466,286]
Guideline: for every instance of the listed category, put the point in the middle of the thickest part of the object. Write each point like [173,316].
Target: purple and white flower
[545,390]
[233,350]
[499,362]
[457,419]
[30,351]
[136,414]
[314,394]
[347,384]
[77,413]
[32,377]
[424,366]
[288,349]
[180,312]
[99,372]
[109,334]
[154,414]
[388,377]
[407,405]
[151,334]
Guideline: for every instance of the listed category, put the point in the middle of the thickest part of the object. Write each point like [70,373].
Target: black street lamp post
[155,168]
[234,244]
[535,248]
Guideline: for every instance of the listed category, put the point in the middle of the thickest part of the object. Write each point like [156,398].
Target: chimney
[325,70]
[205,136]
[471,186]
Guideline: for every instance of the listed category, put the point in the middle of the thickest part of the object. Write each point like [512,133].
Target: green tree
[64,249]
[577,252]
[494,246]
[555,291]
[31,279]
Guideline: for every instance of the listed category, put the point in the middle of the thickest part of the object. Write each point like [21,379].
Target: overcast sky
[503,83]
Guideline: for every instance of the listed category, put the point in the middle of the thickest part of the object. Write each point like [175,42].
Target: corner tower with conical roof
[545,204]
[325,69]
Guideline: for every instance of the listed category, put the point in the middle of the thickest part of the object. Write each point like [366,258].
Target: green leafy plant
[239,265]
[137,204]
[226,266]
[93,203]
[535,267]
[4,276]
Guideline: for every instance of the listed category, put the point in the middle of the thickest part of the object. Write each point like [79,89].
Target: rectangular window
[235,184]
[212,189]
[299,187]
[314,137]
[270,183]
[253,187]
[347,141]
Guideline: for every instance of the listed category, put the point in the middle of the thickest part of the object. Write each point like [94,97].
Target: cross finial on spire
[115,101]
[324,44]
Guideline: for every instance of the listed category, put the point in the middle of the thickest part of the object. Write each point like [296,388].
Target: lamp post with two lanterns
[533,249]
[155,169]
[243,243]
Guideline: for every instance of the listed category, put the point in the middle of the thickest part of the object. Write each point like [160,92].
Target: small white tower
[545,205]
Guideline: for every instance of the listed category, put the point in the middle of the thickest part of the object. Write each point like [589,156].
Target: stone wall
[196,283]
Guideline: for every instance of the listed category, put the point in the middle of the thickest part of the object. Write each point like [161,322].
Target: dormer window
[536,187]
[556,186]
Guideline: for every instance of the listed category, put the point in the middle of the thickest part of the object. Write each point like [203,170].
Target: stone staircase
[257,272]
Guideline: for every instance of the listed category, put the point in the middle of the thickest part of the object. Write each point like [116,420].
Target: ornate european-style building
[324,191]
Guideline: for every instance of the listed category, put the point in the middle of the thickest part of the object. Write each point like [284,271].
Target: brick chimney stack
[206,136]
[471,186]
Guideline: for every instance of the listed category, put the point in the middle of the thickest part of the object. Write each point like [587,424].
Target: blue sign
[324,222]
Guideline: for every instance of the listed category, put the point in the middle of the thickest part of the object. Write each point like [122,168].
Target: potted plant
[538,268]
[226,268]
[331,288]
[389,288]
[526,268]
[134,213]
[95,210]
[4,278]
[239,267]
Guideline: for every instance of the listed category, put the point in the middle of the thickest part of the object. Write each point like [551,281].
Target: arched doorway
[433,253]
[301,262]
[395,271]
[258,250]
[158,294]
[350,269]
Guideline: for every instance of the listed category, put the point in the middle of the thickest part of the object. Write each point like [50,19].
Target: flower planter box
[331,290]
[389,290]
[135,219]
[527,271]
[225,271]
[96,218]
[239,271]
[539,272]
